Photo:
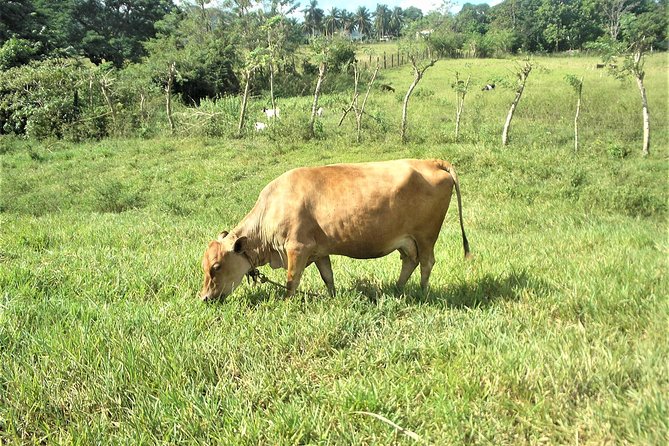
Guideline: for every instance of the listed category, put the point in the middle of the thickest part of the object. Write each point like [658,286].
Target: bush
[40,99]
[15,52]
[446,43]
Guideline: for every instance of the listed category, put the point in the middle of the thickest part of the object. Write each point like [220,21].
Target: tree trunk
[524,73]
[359,113]
[418,75]
[354,100]
[460,107]
[405,105]
[245,97]
[271,85]
[639,75]
[578,112]
[646,117]
[104,86]
[317,91]
[142,109]
[168,93]
[509,116]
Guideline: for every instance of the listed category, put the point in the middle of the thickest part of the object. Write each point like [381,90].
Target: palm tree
[332,20]
[347,21]
[362,21]
[396,21]
[381,16]
[313,17]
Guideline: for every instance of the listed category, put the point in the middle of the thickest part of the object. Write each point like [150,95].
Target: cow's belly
[372,248]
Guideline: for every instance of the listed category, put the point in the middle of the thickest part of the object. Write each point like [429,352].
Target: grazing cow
[386,87]
[362,211]
[260,126]
[488,87]
[271,112]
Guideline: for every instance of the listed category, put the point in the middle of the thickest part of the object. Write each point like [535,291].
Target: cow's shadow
[480,293]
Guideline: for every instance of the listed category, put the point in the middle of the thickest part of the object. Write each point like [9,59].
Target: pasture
[556,332]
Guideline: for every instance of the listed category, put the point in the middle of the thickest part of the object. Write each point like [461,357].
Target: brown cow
[363,211]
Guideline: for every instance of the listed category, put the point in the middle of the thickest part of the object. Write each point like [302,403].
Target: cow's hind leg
[409,256]
[325,268]
[426,258]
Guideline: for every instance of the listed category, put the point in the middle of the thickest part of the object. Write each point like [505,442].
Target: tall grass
[556,332]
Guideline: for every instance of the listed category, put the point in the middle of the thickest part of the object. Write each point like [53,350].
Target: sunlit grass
[556,332]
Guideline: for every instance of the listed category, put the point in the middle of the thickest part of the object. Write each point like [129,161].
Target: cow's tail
[449,168]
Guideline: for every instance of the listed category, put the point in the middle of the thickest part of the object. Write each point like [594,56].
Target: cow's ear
[222,235]
[240,245]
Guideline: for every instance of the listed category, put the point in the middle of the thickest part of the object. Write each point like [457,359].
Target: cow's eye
[216,267]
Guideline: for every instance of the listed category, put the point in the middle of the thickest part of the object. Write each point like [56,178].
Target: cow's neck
[257,251]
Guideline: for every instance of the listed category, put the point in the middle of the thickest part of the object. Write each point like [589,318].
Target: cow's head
[224,264]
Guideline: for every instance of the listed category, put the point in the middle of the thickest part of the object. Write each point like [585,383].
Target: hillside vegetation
[555,332]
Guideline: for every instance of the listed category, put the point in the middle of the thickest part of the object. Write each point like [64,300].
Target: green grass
[556,332]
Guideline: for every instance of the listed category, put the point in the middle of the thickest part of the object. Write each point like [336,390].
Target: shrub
[15,52]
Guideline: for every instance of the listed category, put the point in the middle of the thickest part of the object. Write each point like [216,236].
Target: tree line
[117,30]
[91,68]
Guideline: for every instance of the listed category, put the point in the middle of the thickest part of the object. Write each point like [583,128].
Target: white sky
[352,5]
[424,5]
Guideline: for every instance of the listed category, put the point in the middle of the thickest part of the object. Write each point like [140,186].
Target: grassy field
[556,332]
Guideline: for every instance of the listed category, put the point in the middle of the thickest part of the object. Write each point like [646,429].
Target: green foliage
[65,98]
[15,52]
[446,43]
[40,99]
[337,53]
[575,82]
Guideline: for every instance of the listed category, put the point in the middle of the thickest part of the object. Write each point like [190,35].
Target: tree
[461,87]
[332,21]
[313,18]
[115,30]
[639,34]
[577,84]
[414,50]
[164,57]
[472,19]
[381,18]
[328,55]
[522,73]
[613,11]
[411,14]
[362,21]
[396,21]
[20,20]
[551,14]
[358,109]
[17,52]
[626,58]
[276,36]
[347,21]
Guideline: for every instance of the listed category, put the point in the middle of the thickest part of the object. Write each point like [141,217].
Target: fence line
[388,60]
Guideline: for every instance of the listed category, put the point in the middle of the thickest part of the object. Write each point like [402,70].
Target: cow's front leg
[297,261]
